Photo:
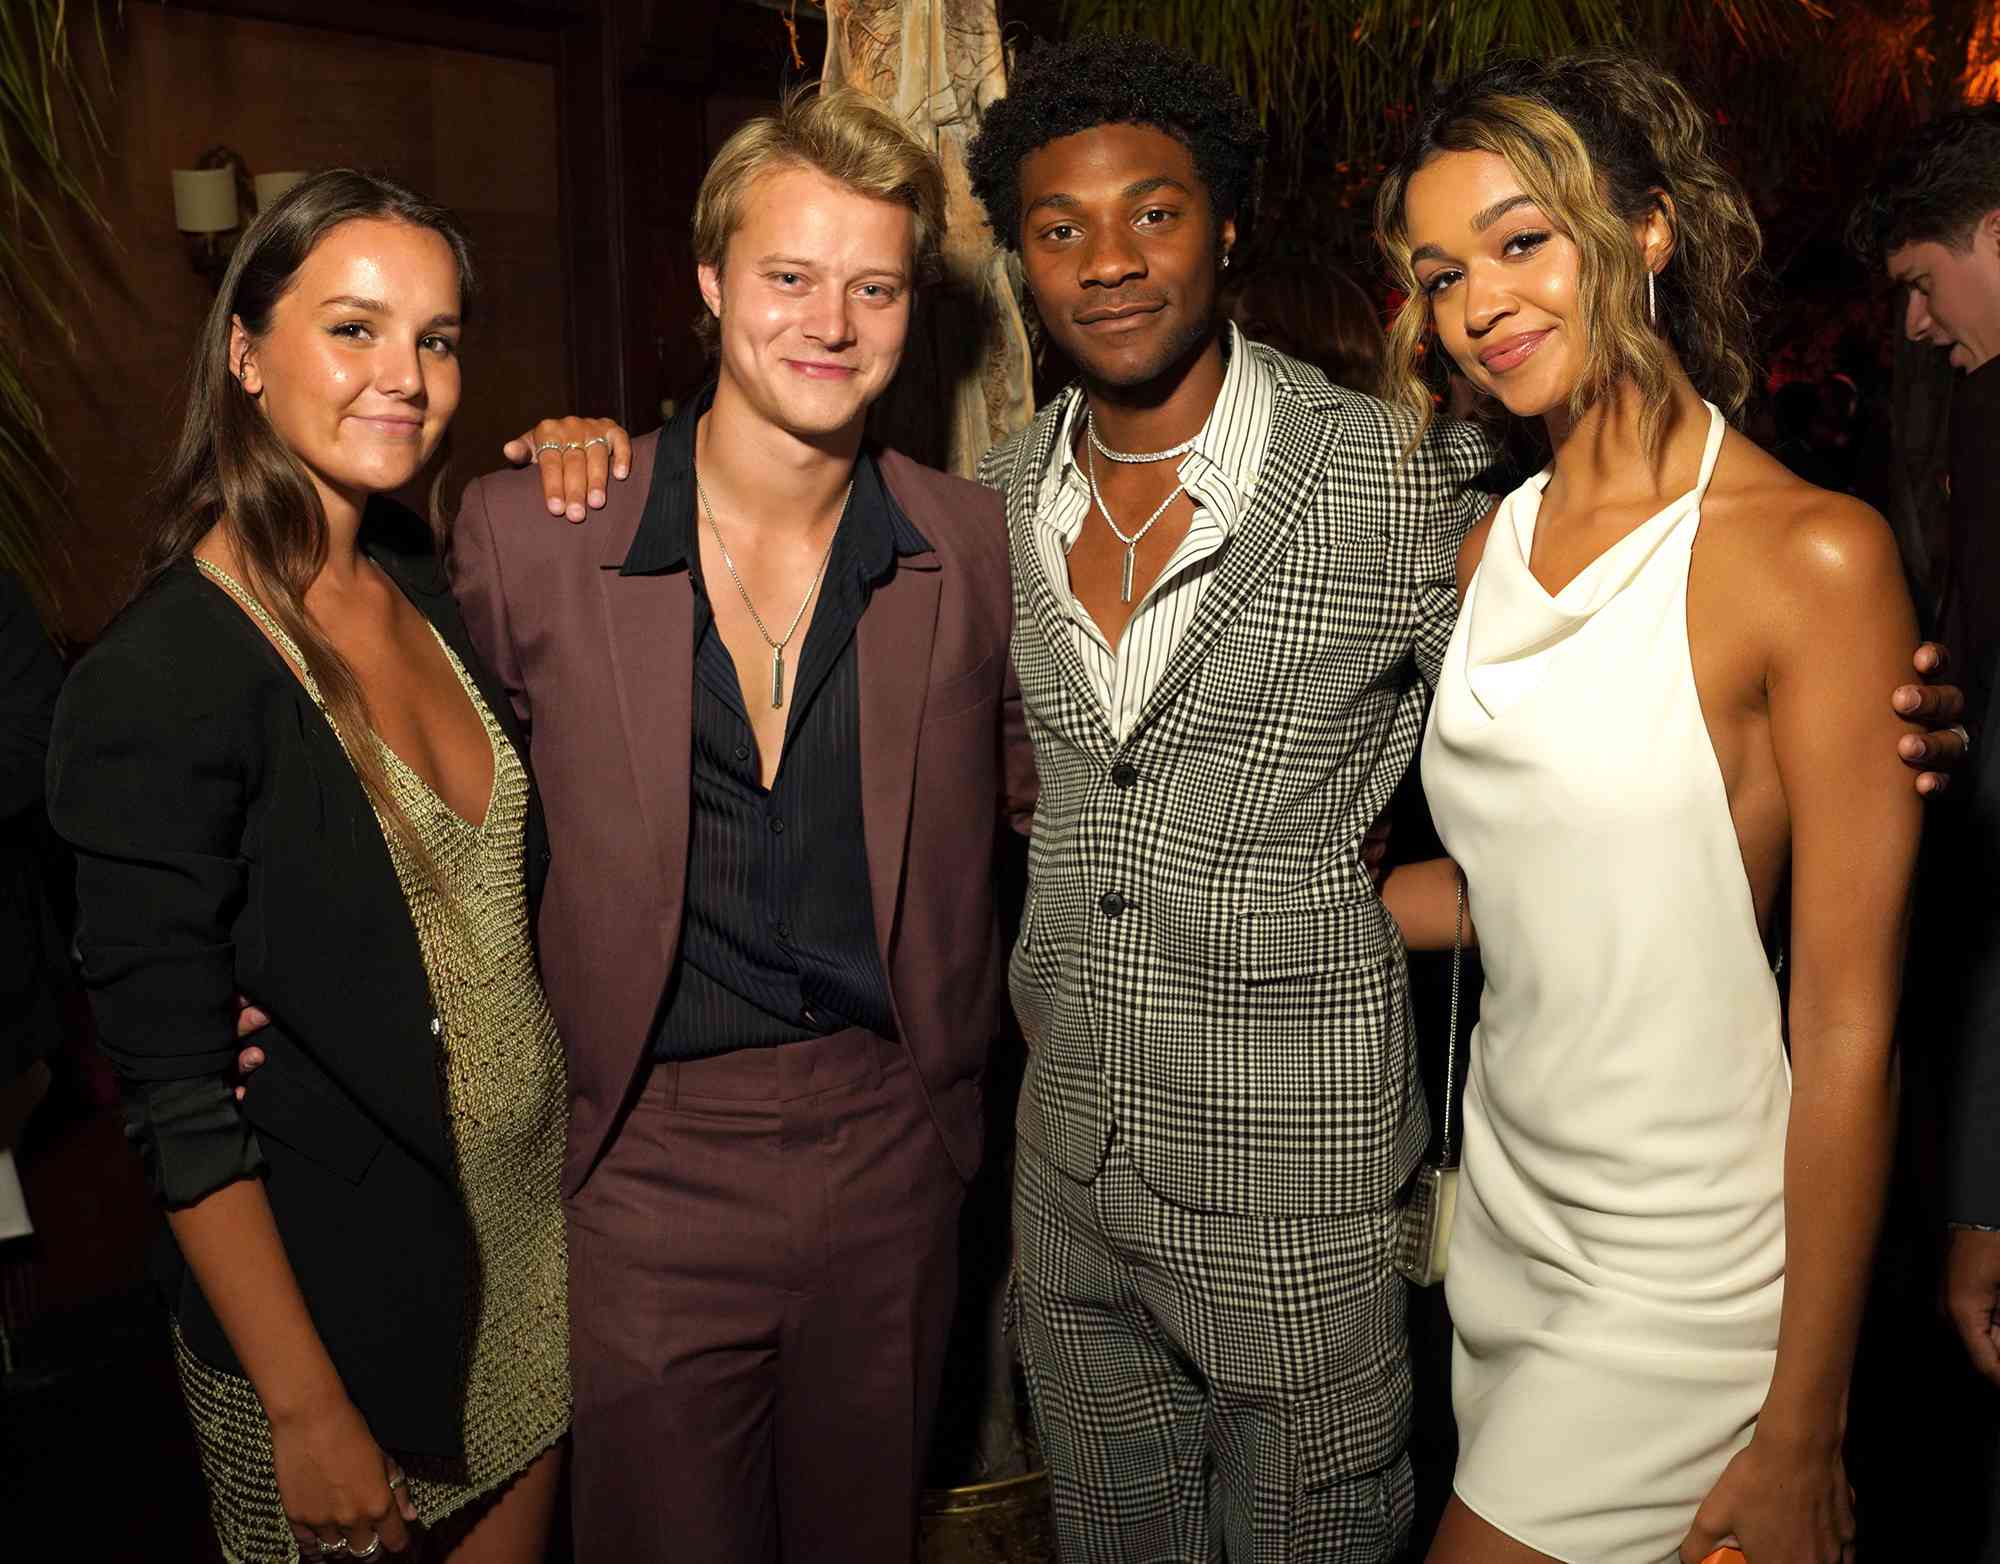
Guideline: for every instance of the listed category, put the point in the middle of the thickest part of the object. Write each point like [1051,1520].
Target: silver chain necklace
[1105,451]
[1131,543]
[777,647]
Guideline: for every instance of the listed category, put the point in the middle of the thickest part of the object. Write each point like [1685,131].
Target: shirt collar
[1230,444]
[665,541]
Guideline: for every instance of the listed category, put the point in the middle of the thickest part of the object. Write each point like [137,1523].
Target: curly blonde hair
[1596,138]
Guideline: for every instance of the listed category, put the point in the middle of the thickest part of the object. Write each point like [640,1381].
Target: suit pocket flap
[1289,942]
[293,1101]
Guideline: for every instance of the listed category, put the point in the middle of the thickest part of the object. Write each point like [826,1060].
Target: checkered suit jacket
[1203,962]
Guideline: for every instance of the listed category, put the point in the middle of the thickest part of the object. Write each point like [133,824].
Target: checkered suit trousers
[1203,1382]
[1215,1000]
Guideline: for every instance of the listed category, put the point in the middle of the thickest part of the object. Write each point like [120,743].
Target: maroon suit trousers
[762,1275]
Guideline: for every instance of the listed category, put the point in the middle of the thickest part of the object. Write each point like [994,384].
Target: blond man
[775,733]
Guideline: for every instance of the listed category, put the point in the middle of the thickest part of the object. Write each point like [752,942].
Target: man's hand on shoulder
[249,1022]
[578,457]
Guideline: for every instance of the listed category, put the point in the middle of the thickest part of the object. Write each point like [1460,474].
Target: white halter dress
[1618,1260]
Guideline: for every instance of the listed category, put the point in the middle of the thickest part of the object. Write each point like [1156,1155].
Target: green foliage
[1353,64]
[1807,92]
[49,139]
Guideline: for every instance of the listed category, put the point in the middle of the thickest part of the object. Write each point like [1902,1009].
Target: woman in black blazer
[287,776]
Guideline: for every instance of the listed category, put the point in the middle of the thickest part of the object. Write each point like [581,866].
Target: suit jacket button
[1124,774]
[1111,904]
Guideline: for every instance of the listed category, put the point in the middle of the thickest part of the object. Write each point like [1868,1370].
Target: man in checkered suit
[1222,1103]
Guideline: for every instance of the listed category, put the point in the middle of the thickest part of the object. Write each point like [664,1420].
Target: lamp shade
[271,186]
[205,200]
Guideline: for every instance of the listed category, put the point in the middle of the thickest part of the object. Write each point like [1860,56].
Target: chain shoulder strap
[1448,1138]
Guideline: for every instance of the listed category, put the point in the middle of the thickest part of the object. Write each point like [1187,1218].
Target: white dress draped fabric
[1618,1260]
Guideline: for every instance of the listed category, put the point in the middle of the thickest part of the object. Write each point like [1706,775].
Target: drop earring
[1652,302]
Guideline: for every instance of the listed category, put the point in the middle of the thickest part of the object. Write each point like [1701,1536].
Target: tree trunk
[966,381]
[966,384]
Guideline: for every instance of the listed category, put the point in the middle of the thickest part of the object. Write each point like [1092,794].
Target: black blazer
[225,846]
[1962,915]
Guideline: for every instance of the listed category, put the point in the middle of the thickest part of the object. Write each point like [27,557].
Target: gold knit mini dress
[500,1066]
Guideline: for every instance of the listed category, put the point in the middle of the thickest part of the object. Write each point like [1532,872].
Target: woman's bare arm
[1423,899]
[1855,822]
[333,1476]
[1840,630]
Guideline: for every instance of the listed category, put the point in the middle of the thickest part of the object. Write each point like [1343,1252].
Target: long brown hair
[1594,138]
[230,466]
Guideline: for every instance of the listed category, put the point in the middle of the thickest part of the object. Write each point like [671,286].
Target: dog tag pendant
[777,677]
[1125,587]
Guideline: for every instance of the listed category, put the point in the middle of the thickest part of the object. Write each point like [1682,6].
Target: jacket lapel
[1049,610]
[1301,438]
[649,621]
[892,645]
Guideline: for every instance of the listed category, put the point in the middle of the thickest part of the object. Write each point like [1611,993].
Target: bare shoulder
[1805,539]
[1799,557]
[1473,549]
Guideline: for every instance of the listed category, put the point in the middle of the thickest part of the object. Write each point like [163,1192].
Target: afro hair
[1062,89]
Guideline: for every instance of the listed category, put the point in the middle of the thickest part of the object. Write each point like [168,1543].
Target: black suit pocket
[292,1100]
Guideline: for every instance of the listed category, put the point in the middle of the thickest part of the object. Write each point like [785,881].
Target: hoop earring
[1652,302]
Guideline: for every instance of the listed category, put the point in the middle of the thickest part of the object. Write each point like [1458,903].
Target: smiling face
[813,300]
[358,368]
[1499,280]
[1120,245]
[1954,299]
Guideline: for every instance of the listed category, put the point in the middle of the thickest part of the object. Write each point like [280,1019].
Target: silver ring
[546,445]
[374,1547]
[400,1480]
[1964,738]
[572,445]
[598,439]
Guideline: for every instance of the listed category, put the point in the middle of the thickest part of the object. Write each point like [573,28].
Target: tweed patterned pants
[1208,1385]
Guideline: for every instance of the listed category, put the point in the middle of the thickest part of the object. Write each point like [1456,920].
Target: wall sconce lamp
[215,201]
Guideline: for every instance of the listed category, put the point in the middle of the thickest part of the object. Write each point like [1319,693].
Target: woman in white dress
[1661,708]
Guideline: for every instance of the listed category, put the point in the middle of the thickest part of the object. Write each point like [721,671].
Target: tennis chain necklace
[1131,543]
[777,646]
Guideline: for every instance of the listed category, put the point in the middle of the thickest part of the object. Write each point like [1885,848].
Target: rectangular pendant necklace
[778,677]
[1125,585]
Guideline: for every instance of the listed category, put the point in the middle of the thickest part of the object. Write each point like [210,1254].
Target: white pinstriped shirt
[1220,474]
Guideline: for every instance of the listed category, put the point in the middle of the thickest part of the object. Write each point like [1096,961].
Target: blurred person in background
[1319,315]
[1931,220]
[31,960]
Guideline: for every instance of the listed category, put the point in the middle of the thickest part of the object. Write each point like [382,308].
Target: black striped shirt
[778,932]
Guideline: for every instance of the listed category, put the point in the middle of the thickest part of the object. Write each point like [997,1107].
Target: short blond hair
[835,131]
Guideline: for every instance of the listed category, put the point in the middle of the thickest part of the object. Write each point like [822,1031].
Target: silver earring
[1225,260]
[1652,302]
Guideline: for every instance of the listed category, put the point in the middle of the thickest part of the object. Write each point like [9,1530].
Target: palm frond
[1349,66]
[50,140]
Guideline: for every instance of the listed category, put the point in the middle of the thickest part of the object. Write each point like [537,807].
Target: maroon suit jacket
[600,668]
